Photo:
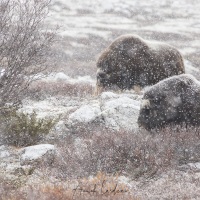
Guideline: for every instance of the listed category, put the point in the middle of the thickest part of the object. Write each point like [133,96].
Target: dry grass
[141,156]
[134,154]
[42,89]
[101,186]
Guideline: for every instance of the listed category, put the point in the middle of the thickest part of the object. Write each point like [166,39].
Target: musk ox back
[131,61]
[175,100]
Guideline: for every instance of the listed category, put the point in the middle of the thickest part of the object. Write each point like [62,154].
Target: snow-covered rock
[85,79]
[85,114]
[120,112]
[61,77]
[195,167]
[10,163]
[16,169]
[4,152]
[37,154]
[108,95]
[115,111]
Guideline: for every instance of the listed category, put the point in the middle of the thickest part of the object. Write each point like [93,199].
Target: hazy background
[87,27]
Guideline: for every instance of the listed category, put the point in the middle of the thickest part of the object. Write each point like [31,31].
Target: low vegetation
[136,154]
[89,159]
[101,186]
[93,159]
[40,90]
[24,129]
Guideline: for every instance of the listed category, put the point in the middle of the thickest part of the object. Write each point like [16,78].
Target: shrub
[25,46]
[136,154]
[24,129]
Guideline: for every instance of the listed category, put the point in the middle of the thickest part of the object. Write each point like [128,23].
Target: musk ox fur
[131,61]
[175,100]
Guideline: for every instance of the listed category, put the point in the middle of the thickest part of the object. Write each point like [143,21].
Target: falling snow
[67,92]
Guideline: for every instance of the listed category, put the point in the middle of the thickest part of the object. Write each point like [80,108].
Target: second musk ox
[131,61]
[175,100]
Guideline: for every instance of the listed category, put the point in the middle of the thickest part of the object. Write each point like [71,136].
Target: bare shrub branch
[24,46]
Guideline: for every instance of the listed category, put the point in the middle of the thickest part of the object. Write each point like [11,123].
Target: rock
[16,169]
[36,154]
[108,95]
[115,111]
[8,157]
[85,114]
[120,112]
[194,166]
[61,77]
[4,152]
[85,80]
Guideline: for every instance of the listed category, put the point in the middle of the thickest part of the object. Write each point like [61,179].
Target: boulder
[4,152]
[33,155]
[120,112]
[115,111]
[85,114]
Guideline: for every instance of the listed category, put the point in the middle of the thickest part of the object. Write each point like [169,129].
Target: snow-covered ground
[87,27]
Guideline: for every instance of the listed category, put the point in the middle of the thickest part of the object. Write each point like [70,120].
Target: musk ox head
[131,61]
[175,100]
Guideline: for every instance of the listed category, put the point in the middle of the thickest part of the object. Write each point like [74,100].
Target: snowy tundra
[86,28]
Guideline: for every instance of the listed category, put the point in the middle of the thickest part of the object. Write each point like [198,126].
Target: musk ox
[131,61]
[175,100]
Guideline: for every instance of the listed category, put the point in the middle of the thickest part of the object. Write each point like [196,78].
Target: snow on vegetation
[154,166]
[45,108]
[62,77]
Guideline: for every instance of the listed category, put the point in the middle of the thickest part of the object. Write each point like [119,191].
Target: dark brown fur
[131,61]
[175,100]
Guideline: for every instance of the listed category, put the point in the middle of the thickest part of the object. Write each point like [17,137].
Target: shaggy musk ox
[131,61]
[175,100]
